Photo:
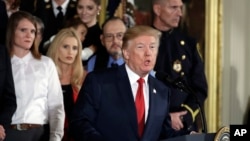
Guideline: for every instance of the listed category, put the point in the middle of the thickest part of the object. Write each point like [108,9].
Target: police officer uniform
[45,11]
[28,5]
[178,57]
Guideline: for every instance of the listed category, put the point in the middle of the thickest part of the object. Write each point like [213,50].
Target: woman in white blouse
[37,86]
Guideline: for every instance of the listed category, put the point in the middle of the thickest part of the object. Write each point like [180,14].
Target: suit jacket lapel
[127,96]
[152,105]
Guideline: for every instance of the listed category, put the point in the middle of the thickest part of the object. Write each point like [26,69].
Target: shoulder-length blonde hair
[78,71]
[13,22]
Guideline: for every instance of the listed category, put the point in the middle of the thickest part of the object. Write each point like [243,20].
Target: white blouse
[38,93]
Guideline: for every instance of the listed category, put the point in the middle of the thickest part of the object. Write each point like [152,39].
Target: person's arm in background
[8,98]
[88,52]
[167,130]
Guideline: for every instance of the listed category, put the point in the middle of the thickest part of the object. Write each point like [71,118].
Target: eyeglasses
[110,37]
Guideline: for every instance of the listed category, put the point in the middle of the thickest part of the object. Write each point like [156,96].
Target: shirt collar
[133,77]
[17,60]
[64,6]
[119,61]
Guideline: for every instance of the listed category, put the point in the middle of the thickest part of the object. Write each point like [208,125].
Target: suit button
[182,42]
[182,73]
[183,57]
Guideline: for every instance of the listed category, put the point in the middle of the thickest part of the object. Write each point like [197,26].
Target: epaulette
[199,48]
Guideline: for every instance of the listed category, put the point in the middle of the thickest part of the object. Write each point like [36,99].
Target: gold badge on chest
[177,65]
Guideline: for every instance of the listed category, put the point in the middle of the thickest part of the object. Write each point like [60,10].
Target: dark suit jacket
[105,109]
[4,20]
[7,91]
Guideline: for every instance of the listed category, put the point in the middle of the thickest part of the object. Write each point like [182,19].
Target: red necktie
[140,106]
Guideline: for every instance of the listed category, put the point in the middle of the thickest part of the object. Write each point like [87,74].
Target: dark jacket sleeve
[167,131]
[179,58]
[196,84]
[3,23]
[7,92]
[86,109]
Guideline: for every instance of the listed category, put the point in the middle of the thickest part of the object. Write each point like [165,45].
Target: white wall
[235,61]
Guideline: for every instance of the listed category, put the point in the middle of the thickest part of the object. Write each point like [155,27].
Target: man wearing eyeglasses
[111,38]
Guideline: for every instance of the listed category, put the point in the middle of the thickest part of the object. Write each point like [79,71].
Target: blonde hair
[78,71]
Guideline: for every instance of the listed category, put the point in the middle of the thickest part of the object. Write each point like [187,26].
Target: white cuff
[86,53]
[48,42]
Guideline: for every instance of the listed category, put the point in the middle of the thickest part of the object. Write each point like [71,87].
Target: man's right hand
[176,120]
[2,133]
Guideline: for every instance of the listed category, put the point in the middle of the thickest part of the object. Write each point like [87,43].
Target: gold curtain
[102,15]
[213,46]
[119,12]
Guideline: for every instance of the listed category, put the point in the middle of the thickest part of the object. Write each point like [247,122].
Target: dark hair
[15,4]
[40,22]
[13,22]
[97,2]
[112,19]
[75,22]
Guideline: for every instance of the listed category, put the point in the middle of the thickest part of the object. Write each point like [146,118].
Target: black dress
[93,38]
[68,106]
[68,99]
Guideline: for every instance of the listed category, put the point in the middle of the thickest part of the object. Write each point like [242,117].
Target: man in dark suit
[112,104]
[179,59]
[7,92]
[54,17]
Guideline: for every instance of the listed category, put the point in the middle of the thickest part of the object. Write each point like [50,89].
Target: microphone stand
[183,86]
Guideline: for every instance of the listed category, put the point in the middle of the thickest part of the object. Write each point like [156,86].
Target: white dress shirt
[133,77]
[38,94]
[64,7]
